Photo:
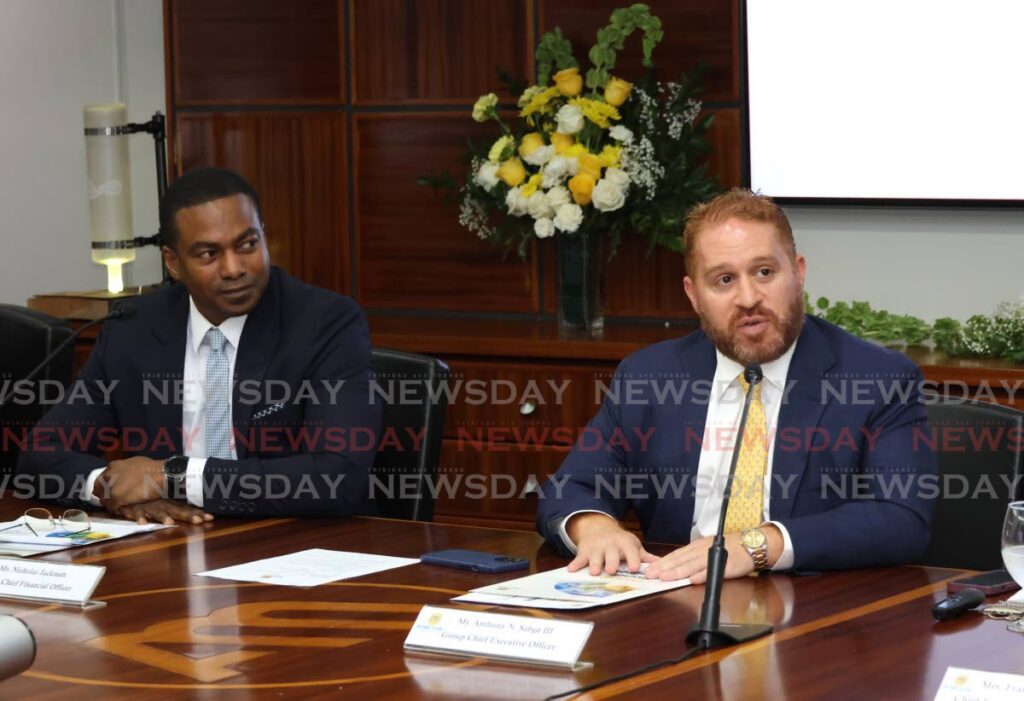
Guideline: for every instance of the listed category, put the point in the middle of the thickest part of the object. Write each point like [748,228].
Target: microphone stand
[708,633]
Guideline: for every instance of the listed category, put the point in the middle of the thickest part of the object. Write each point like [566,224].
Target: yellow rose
[512,172]
[569,82]
[530,143]
[562,142]
[582,188]
[590,165]
[616,91]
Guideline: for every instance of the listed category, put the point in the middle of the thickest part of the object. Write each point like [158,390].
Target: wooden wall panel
[256,52]
[725,139]
[413,254]
[438,50]
[694,29]
[296,162]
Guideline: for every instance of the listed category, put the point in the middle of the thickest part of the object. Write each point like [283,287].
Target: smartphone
[989,583]
[475,561]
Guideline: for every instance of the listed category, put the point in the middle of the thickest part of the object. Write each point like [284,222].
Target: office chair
[398,496]
[966,530]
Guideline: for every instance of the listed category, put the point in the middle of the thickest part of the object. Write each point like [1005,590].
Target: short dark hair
[200,186]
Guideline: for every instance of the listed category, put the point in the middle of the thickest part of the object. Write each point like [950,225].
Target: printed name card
[961,684]
[51,582]
[498,636]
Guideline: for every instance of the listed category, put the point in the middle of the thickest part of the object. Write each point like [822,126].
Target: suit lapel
[255,350]
[167,365]
[801,411]
[700,364]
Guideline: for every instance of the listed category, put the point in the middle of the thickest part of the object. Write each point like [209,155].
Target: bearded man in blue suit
[839,469]
[238,390]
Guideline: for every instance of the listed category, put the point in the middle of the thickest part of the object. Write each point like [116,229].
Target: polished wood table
[166,633]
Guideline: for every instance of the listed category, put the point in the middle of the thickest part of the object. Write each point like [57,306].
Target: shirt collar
[198,325]
[775,371]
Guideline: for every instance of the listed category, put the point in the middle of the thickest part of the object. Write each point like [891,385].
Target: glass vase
[580,283]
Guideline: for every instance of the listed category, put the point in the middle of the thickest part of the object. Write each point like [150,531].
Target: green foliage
[612,38]
[1000,335]
[552,50]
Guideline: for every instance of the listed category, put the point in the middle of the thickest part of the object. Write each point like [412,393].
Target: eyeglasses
[71,522]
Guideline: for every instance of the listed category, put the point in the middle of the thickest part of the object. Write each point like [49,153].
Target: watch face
[753,538]
[176,466]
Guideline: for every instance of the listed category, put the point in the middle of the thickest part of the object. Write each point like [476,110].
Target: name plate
[541,641]
[49,582]
[960,684]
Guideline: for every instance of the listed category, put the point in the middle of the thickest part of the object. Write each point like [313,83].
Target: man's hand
[602,543]
[691,561]
[133,481]
[164,511]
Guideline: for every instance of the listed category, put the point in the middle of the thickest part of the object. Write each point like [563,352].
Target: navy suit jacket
[853,477]
[308,455]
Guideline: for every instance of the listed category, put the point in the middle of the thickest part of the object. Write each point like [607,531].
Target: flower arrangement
[600,155]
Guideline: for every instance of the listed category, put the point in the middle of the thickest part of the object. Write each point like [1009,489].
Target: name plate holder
[543,642]
[59,583]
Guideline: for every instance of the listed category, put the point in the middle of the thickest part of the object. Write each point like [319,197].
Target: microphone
[17,647]
[121,310]
[708,633]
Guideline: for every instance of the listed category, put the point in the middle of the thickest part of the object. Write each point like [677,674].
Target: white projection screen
[894,100]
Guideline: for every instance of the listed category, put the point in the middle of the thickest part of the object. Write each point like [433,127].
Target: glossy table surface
[166,633]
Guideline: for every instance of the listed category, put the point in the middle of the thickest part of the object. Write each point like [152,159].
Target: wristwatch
[756,543]
[174,472]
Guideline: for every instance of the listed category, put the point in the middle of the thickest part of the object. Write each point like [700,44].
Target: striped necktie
[746,504]
[217,421]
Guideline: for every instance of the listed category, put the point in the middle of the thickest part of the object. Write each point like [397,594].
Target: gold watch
[756,543]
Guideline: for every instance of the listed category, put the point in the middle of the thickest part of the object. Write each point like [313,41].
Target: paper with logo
[959,684]
[17,540]
[579,587]
[309,568]
[543,641]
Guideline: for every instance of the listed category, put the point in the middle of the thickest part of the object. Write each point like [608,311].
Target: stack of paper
[17,540]
[562,589]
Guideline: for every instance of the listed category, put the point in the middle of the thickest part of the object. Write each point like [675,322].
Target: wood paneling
[694,30]
[296,162]
[725,139]
[438,50]
[256,51]
[412,251]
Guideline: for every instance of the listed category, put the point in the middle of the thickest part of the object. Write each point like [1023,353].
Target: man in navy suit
[845,476]
[240,390]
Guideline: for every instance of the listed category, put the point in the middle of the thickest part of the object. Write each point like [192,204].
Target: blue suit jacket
[298,339]
[842,462]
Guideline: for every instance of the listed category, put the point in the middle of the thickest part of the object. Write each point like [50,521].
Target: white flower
[608,195]
[516,203]
[558,169]
[539,207]
[568,217]
[557,196]
[487,176]
[617,176]
[570,119]
[621,133]
[540,156]
[544,228]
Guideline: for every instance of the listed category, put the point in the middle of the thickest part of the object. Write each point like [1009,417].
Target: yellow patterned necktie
[746,505]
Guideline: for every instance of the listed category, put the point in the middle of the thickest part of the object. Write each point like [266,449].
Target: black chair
[408,386]
[26,337]
[984,461]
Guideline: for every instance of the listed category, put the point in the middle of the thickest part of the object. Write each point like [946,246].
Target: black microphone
[708,632]
[122,310]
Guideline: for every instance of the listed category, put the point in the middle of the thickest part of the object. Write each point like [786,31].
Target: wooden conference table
[167,634]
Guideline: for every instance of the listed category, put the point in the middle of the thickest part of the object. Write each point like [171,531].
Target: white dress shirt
[725,406]
[193,409]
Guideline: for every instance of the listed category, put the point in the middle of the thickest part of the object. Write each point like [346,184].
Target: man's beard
[780,335]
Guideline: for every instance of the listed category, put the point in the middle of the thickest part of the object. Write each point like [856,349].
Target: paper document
[310,568]
[556,588]
[17,540]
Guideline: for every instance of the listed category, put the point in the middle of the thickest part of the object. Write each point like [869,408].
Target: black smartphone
[989,583]
[475,561]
